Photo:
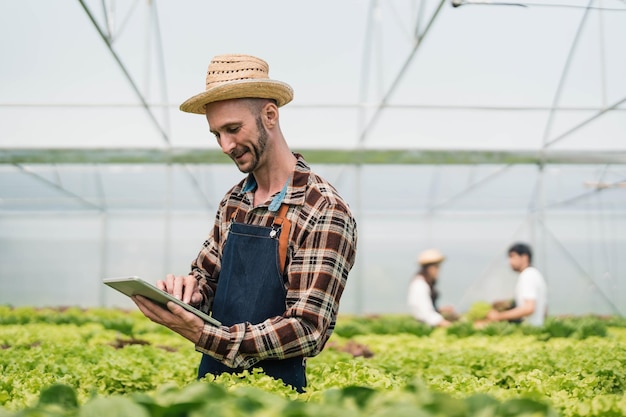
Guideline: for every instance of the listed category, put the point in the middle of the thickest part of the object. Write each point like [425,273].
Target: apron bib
[251,289]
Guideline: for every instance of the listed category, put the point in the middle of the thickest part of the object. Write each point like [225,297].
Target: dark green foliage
[461,329]
[386,324]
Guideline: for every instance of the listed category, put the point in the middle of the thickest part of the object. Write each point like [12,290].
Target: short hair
[522,249]
[256,104]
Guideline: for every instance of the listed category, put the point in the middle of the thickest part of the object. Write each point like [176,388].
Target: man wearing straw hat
[274,267]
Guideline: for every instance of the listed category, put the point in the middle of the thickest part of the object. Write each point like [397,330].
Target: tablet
[136,286]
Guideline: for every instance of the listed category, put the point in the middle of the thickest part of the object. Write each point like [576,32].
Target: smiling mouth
[237,155]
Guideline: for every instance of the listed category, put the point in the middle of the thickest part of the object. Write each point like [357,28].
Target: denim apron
[251,289]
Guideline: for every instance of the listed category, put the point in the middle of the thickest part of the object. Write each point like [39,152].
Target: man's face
[518,262]
[239,132]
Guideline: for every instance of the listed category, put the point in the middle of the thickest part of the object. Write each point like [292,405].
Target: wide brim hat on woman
[238,76]
[430,256]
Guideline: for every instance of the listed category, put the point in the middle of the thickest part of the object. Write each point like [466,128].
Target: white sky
[487,56]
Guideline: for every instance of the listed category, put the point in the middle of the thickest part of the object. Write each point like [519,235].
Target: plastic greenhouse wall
[54,252]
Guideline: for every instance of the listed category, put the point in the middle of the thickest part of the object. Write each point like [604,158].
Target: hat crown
[236,76]
[229,68]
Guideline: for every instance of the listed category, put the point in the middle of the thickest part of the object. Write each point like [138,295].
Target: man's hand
[526,309]
[185,288]
[174,317]
[494,315]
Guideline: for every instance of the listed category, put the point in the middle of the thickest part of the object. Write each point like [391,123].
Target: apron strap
[281,221]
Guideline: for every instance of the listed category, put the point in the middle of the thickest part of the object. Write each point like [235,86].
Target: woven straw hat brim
[277,90]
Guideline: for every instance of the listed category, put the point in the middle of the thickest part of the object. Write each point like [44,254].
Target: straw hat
[238,76]
[430,256]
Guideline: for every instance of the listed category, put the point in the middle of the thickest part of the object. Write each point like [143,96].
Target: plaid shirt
[322,250]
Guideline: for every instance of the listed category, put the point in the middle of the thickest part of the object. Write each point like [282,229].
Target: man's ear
[270,115]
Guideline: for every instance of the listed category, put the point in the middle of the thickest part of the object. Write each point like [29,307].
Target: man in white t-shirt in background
[531,298]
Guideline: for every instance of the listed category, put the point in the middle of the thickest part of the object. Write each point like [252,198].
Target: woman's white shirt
[420,302]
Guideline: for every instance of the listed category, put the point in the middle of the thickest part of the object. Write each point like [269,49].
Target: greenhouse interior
[464,126]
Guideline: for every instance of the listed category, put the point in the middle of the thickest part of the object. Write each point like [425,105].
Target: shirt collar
[295,193]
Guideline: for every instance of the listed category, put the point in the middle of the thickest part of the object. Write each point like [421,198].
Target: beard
[256,150]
